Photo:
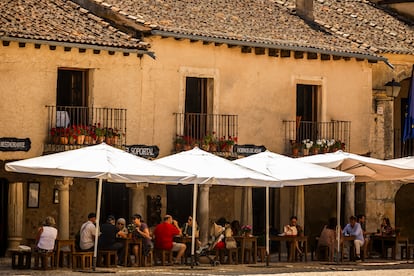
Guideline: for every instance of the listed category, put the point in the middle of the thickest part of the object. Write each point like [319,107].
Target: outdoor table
[346,239]
[244,241]
[292,240]
[128,243]
[393,241]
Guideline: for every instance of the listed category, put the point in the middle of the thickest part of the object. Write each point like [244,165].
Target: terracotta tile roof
[60,21]
[366,24]
[268,22]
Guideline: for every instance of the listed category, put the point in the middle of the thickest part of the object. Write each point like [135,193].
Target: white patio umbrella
[102,162]
[292,172]
[212,169]
[364,168]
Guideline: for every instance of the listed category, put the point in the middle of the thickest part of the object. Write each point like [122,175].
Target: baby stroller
[217,237]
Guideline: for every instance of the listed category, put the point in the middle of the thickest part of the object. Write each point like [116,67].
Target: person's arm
[144,233]
[175,223]
[39,233]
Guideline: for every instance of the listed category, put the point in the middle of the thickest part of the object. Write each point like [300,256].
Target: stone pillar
[299,207]
[247,208]
[137,199]
[349,201]
[204,212]
[15,215]
[63,185]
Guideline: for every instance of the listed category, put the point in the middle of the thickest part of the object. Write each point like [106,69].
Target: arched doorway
[404,215]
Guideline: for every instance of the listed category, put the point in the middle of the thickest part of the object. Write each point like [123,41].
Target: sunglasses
[120,223]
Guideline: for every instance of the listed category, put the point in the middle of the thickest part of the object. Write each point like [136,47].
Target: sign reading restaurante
[14,144]
[247,150]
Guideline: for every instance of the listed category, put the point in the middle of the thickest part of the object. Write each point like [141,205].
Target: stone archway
[404,215]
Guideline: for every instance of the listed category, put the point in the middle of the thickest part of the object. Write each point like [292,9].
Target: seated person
[354,229]
[107,239]
[187,228]
[121,226]
[46,236]
[236,228]
[87,234]
[386,228]
[328,238]
[164,234]
[293,229]
[141,232]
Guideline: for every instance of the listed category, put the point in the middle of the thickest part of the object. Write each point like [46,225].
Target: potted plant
[307,144]
[295,146]
[179,143]
[246,230]
[99,132]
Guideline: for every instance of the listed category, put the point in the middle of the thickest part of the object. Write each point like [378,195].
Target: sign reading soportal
[143,150]
[14,144]
[247,150]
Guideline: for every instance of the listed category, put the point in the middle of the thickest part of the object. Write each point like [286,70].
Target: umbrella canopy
[364,168]
[102,162]
[212,169]
[292,172]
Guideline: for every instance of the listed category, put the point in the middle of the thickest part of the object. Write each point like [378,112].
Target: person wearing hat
[107,238]
[164,234]
[46,236]
[87,233]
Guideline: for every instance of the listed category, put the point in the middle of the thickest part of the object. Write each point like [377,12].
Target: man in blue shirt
[354,229]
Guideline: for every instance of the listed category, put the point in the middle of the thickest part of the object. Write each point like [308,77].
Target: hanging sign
[247,150]
[143,150]
[14,144]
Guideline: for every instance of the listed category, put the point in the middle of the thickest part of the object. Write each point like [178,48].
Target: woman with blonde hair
[46,235]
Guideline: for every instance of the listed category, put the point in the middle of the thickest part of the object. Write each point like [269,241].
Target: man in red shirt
[164,234]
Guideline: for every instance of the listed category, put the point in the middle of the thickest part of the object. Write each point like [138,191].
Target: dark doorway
[259,210]
[115,201]
[404,215]
[180,202]
[4,201]
[306,111]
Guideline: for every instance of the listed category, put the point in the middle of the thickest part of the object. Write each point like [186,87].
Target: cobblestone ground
[313,268]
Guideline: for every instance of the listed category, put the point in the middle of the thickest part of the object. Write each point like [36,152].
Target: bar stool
[164,256]
[23,259]
[64,248]
[82,260]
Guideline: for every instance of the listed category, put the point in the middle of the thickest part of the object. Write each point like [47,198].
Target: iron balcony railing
[72,127]
[298,131]
[203,128]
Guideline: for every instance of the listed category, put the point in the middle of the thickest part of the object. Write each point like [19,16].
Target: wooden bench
[47,260]
[23,258]
[82,260]
[107,258]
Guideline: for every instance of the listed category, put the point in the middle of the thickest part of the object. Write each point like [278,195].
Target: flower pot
[205,147]
[100,139]
[80,140]
[305,152]
[295,152]
[212,147]
[64,140]
[108,140]
[71,140]
[315,151]
[178,147]
[56,140]
[187,147]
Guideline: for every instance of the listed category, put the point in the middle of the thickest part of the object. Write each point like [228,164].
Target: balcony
[212,132]
[337,131]
[72,127]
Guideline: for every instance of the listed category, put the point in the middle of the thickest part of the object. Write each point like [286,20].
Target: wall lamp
[392,88]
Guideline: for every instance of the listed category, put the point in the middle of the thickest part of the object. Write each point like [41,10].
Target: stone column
[204,212]
[349,201]
[15,215]
[137,199]
[63,185]
[299,208]
[247,207]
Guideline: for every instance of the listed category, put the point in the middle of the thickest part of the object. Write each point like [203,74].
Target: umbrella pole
[194,224]
[267,226]
[338,222]
[98,214]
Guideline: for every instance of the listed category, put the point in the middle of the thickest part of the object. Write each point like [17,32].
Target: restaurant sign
[248,149]
[14,144]
[143,150]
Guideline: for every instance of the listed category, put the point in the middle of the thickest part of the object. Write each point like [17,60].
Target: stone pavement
[311,268]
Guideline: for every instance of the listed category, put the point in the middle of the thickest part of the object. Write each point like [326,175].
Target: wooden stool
[107,258]
[64,250]
[161,254]
[220,253]
[322,253]
[24,259]
[46,259]
[233,255]
[148,260]
[406,251]
[82,260]
[261,253]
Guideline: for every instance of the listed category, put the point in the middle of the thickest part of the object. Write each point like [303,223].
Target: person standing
[164,234]
[87,233]
[354,229]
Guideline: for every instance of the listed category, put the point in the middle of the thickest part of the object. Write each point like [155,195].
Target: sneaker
[281,235]
[358,259]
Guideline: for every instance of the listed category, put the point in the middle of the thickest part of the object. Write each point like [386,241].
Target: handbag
[231,243]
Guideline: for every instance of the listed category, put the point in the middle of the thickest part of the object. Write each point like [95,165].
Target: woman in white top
[46,236]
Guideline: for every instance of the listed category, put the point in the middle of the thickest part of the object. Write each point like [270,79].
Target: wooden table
[292,240]
[59,245]
[393,241]
[128,243]
[244,241]
[346,239]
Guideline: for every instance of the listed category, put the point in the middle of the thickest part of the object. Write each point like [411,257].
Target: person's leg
[120,252]
[180,249]
[357,244]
